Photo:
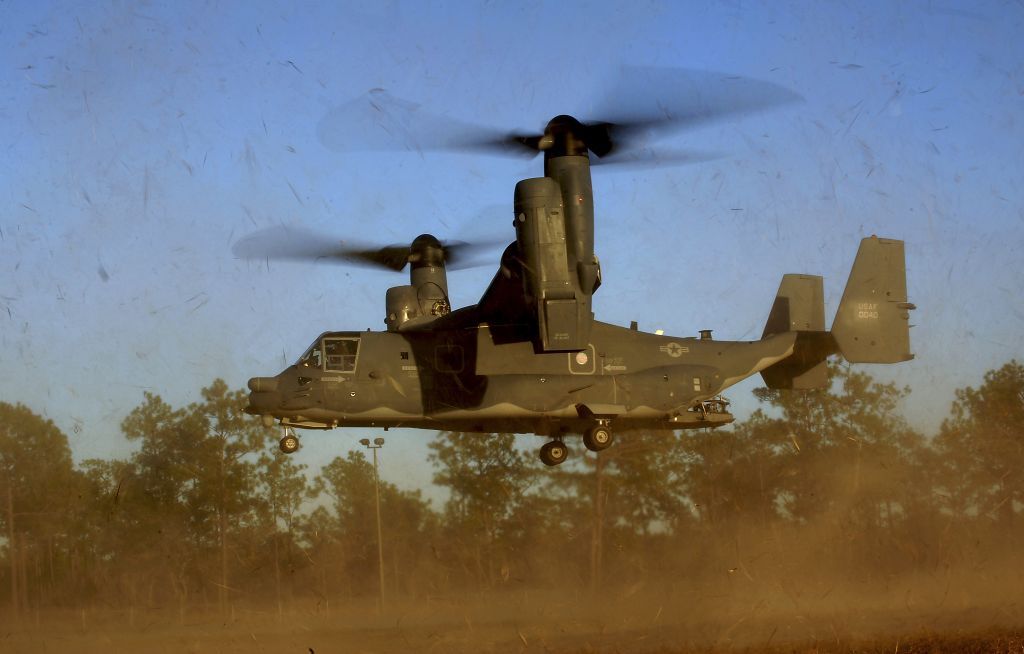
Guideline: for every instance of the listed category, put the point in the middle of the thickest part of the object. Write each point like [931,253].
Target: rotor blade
[285,243]
[392,257]
[646,103]
[295,244]
[651,102]
[378,121]
[459,255]
[652,158]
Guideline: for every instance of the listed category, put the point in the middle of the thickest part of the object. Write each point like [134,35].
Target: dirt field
[536,622]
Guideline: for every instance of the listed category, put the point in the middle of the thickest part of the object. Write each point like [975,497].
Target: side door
[341,358]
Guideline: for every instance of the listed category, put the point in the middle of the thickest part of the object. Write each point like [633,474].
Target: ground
[524,622]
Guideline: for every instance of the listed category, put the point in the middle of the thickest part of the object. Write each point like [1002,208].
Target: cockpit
[332,354]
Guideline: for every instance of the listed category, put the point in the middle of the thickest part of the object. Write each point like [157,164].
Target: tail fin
[871,325]
[799,307]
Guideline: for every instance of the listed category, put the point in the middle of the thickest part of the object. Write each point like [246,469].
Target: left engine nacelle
[425,298]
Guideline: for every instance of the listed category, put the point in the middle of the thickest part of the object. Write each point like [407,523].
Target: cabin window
[341,353]
[313,358]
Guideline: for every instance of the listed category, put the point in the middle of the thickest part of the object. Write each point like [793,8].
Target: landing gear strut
[598,437]
[289,442]
[553,453]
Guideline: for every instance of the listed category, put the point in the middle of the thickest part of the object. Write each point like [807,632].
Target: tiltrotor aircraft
[530,357]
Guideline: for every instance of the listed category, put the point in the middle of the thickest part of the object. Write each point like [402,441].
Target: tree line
[206,512]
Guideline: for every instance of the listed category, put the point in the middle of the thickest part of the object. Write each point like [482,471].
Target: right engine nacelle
[551,277]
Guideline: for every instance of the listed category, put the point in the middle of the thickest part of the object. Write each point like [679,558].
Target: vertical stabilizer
[872,323]
[799,307]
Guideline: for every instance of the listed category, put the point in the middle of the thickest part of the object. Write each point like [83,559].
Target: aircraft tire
[289,444]
[597,438]
[553,453]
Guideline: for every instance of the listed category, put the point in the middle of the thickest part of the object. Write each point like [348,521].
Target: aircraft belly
[650,394]
[547,394]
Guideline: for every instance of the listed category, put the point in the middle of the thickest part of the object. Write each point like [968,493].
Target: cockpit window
[313,358]
[341,354]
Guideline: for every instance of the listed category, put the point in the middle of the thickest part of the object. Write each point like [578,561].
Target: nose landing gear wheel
[289,442]
[553,453]
[597,438]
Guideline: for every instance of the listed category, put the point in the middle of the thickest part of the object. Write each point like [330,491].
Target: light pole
[376,445]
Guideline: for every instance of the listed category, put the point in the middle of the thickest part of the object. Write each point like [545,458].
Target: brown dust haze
[822,523]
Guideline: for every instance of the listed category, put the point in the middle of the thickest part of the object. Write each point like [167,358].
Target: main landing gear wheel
[597,438]
[553,453]
[289,442]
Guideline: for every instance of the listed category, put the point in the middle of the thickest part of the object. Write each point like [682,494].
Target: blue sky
[140,140]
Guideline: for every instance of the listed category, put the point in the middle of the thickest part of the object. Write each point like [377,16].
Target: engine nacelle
[551,276]
[425,298]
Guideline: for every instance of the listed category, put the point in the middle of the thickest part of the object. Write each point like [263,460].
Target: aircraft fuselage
[471,379]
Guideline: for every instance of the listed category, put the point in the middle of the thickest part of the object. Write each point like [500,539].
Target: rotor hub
[426,250]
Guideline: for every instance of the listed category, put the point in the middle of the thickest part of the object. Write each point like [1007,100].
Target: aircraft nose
[263,384]
[264,397]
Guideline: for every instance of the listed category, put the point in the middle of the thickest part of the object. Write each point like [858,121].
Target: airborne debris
[294,192]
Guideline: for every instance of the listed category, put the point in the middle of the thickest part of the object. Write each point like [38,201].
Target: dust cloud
[796,607]
[823,522]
